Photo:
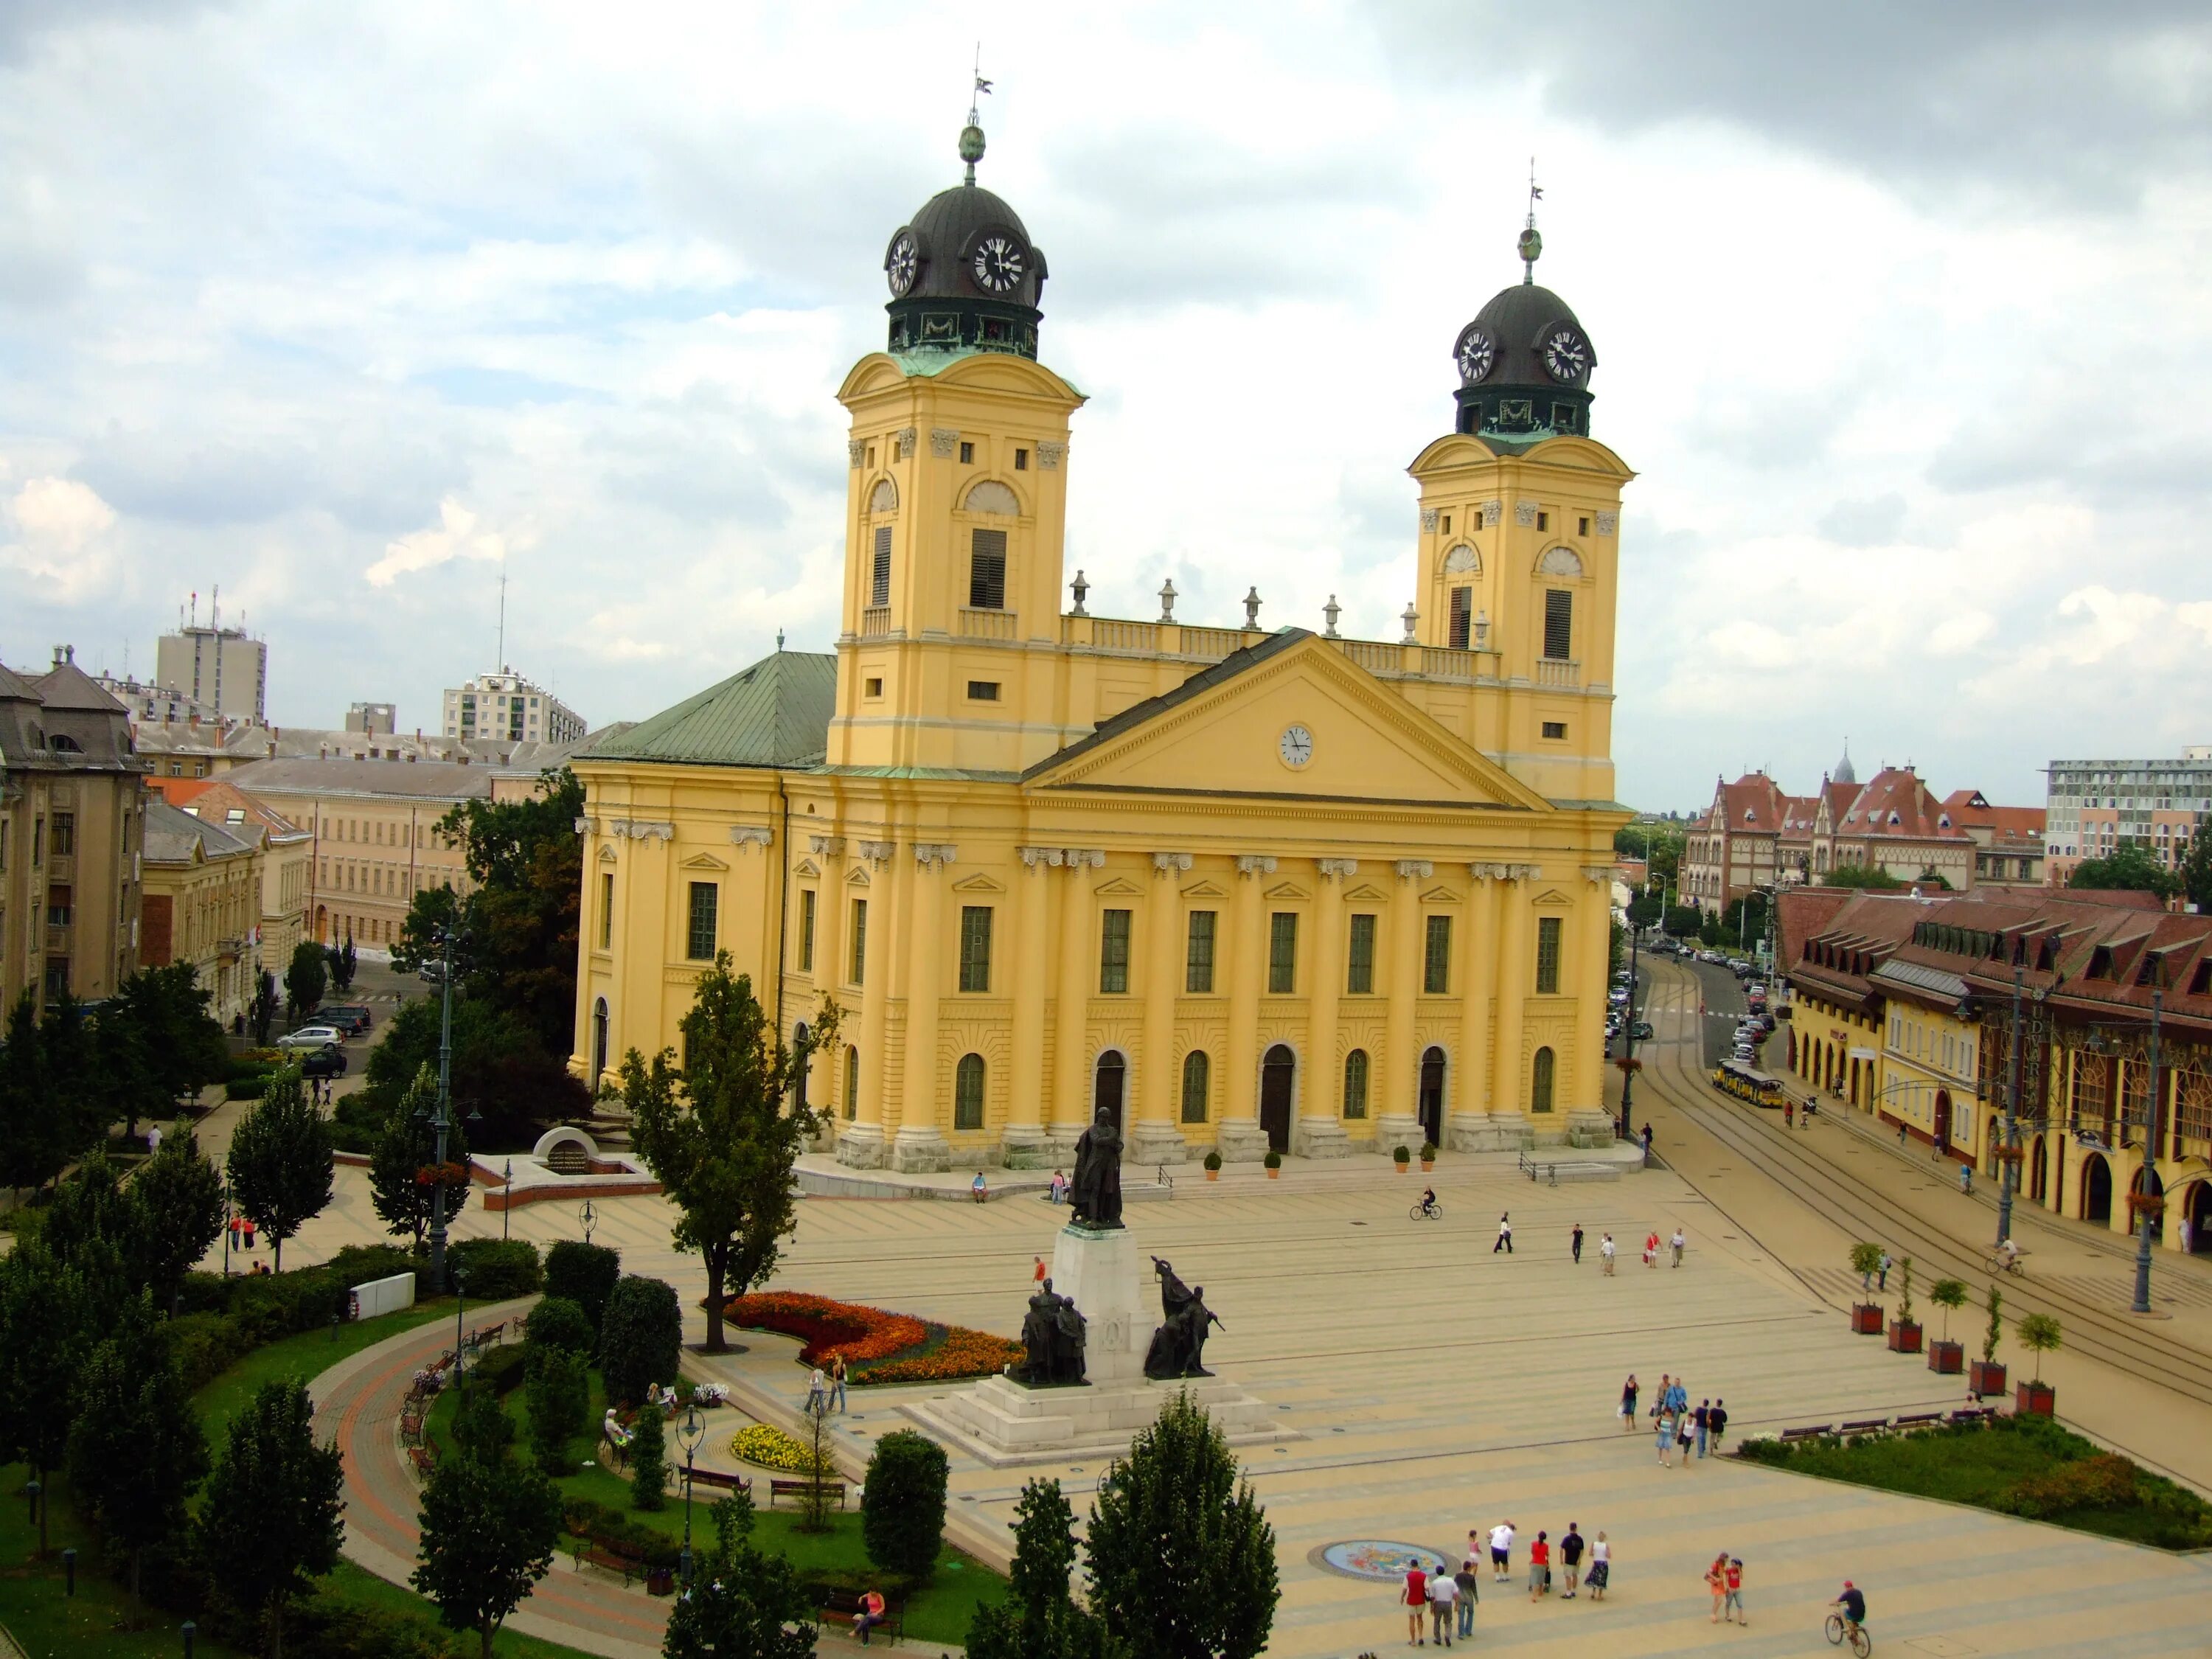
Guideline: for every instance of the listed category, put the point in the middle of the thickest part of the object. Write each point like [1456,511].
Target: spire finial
[971,136]
[1532,244]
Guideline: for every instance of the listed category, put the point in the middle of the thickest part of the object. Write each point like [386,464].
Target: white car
[311,1037]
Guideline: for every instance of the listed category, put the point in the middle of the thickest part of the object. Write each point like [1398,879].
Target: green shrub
[206,1344]
[2102,1482]
[495,1269]
[502,1371]
[648,1461]
[582,1518]
[585,1274]
[559,1403]
[325,1627]
[641,1338]
[557,1324]
[364,1264]
[245,1088]
[903,1520]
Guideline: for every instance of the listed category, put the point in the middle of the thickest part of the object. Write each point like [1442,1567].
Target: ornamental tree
[489,1529]
[641,1338]
[136,1450]
[404,1175]
[648,1461]
[177,1197]
[46,1322]
[271,1520]
[721,1135]
[902,1519]
[556,1326]
[305,978]
[1039,1618]
[2040,1334]
[281,1161]
[742,1604]
[560,1397]
[585,1274]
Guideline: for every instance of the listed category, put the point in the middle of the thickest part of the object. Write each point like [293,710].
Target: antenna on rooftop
[501,658]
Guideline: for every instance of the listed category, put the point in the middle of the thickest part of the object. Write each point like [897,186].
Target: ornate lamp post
[588,1218]
[1628,1051]
[688,1434]
[461,1302]
[441,1119]
[2145,1203]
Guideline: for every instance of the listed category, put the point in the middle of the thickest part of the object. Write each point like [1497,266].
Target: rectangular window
[606,909]
[859,941]
[1462,619]
[967,455]
[987,570]
[874,686]
[974,947]
[705,900]
[1582,526]
[879,582]
[1543,521]
[1114,953]
[1282,953]
[1436,958]
[1359,971]
[1198,954]
[982,690]
[1556,731]
[64,834]
[1559,624]
[1021,460]
[806,930]
[1447,524]
[1547,955]
[58,907]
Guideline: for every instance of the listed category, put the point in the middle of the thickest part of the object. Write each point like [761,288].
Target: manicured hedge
[585,1274]
[494,1269]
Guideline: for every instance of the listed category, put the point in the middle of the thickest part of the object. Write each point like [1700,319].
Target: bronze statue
[1053,1333]
[1179,1345]
[1095,1193]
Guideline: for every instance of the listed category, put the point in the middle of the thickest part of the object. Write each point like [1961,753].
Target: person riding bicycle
[1429,1201]
[1853,1602]
[2007,1253]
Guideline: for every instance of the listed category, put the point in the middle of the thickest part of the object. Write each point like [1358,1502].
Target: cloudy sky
[1902,316]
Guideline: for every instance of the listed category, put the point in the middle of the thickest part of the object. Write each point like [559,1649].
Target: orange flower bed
[878,1347]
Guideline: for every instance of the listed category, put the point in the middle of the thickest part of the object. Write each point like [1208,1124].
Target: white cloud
[457,536]
[61,543]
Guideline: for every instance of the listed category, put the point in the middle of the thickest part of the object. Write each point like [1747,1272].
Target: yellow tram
[1732,1078]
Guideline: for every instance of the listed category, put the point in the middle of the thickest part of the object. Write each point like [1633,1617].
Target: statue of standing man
[1097,1192]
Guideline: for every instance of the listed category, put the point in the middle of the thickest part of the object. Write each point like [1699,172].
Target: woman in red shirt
[1416,1598]
[1540,1566]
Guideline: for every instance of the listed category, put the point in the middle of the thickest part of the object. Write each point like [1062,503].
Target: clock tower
[963,271]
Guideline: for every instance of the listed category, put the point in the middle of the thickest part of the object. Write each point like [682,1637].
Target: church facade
[1241,888]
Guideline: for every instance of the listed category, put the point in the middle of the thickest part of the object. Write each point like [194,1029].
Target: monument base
[1097,1272]
[1589,1128]
[1026,1146]
[1001,1423]
[1491,1131]
[1396,1129]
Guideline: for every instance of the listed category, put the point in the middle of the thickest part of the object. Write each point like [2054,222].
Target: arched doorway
[1792,1052]
[2096,1188]
[2149,1181]
[2196,1210]
[1942,1121]
[1109,1085]
[1432,1097]
[598,1041]
[2038,1171]
[1541,1077]
[1279,1076]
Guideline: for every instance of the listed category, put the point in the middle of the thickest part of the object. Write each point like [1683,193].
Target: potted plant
[1274,1161]
[2038,1334]
[1213,1164]
[1866,1316]
[1428,1155]
[1402,1157]
[1904,1331]
[1945,1356]
[1988,1376]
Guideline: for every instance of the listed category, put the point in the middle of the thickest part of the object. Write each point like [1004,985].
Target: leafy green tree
[1039,1618]
[405,1152]
[271,1519]
[2196,873]
[305,978]
[136,1451]
[648,1461]
[90,1206]
[585,1274]
[489,1529]
[641,1338]
[172,1011]
[343,962]
[47,1321]
[178,1196]
[281,1161]
[1183,1559]
[1711,934]
[501,1071]
[2130,868]
[557,1326]
[1646,908]
[261,1013]
[560,1398]
[743,1604]
[720,1137]
[1871,877]
[902,1521]
[482,1428]
[433,913]
[32,1141]
[1683,921]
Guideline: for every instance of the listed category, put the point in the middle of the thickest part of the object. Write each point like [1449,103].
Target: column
[1589,1122]
[826,1069]
[1517,977]
[861,1142]
[1079,962]
[1398,1075]
[1024,1138]
[1470,1129]
[920,1144]
[1155,1137]
[1240,1138]
[1319,1131]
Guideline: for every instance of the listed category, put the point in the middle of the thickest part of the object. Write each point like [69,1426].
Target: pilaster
[1240,1138]
[1155,1137]
[1399,1121]
[920,1144]
[1319,1131]
[1023,1141]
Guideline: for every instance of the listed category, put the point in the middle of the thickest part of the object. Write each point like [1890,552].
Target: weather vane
[1532,244]
[971,137]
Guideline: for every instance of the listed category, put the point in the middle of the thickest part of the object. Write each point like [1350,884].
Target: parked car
[351,1017]
[1643,1030]
[312,1037]
[329,1061]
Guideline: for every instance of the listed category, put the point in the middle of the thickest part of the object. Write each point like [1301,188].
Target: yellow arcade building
[1241,888]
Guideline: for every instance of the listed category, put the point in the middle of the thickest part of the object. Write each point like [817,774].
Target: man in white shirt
[1444,1597]
[1675,1244]
[1501,1551]
[1606,1253]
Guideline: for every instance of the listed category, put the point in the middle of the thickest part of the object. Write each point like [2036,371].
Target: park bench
[1974,1415]
[1867,1426]
[1918,1419]
[1813,1433]
[842,1606]
[424,1458]
[720,1482]
[410,1423]
[615,1557]
[488,1336]
[800,1489]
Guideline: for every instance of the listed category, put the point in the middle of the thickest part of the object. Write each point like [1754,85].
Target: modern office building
[2094,807]
[222,671]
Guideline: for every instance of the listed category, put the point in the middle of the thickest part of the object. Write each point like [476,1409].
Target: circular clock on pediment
[1296,746]
[902,263]
[1474,354]
[998,262]
[1566,354]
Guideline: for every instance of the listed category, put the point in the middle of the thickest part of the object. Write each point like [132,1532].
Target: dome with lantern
[1524,362]
[963,273]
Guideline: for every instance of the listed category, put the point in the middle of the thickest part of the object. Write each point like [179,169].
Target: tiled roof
[776,713]
[1898,804]
[1753,804]
[171,835]
[407,780]
[212,801]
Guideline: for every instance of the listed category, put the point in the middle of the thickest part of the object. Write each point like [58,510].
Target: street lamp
[441,1121]
[589,1217]
[688,1434]
[1628,1052]
[461,1302]
[506,1198]
[2142,1200]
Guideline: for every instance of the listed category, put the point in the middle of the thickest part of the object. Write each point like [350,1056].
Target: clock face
[999,262]
[902,262]
[1295,746]
[1566,354]
[1476,354]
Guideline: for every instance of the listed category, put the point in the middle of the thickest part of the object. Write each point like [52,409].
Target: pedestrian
[1647,1143]
[837,1383]
[1678,1397]
[1444,1593]
[1037,1273]
[1666,1436]
[1651,1249]
[1601,1567]
[1504,1236]
[1789,1114]
[1716,1420]
[1415,1598]
[980,1188]
[1059,1188]
[1501,1551]
[1605,1250]
[2185,1241]
[817,1393]
[153,1144]
[1904,1134]
[1540,1566]
[1577,1237]
[1884,1271]
[1967,1179]
[1469,1582]
[1628,1402]
[1684,1435]
[1717,1581]
[1676,1243]
[1812,1105]
[1703,1417]
[1732,1605]
[1570,1559]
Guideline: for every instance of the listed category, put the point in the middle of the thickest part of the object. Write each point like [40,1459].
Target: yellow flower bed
[772,1448]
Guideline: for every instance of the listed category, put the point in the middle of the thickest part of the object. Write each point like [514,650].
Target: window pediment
[991,498]
[978,883]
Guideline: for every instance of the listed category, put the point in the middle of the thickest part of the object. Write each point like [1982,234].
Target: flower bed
[772,1448]
[877,1346]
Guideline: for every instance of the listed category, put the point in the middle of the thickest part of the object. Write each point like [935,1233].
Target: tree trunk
[45,1502]
[278,1245]
[717,1257]
[276,1627]
[490,1629]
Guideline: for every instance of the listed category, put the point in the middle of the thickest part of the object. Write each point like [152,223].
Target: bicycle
[1993,1263]
[1431,1213]
[1862,1644]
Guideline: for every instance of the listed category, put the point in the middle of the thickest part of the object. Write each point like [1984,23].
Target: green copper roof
[775,713]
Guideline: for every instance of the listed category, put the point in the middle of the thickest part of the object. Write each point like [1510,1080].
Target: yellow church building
[1242,888]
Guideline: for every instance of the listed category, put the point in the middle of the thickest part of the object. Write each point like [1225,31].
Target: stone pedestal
[1488,1132]
[921,1151]
[1589,1128]
[1320,1136]
[1394,1130]
[1098,1272]
[1242,1140]
[1154,1144]
[860,1146]
[1001,1423]
[1026,1146]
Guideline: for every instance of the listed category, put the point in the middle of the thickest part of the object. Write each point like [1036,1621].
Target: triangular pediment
[702,861]
[1284,889]
[1227,732]
[1364,894]
[1553,895]
[1205,889]
[977,884]
[806,867]
[1119,887]
[1440,895]
[858,879]
[606,853]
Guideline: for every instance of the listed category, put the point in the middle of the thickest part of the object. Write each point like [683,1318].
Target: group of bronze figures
[1054,1333]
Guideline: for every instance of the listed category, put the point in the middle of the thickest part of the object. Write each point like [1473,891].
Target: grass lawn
[302,1357]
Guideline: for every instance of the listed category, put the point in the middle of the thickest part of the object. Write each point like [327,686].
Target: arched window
[1355,1084]
[852,1083]
[1539,1082]
[1560,562]
[1197,1085]
[995,498]
[968,1093]
[884,498]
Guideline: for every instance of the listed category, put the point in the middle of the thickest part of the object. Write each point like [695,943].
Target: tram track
[1863,1213]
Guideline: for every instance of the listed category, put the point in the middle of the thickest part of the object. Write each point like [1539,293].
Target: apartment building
[2094,807]
[507,705]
